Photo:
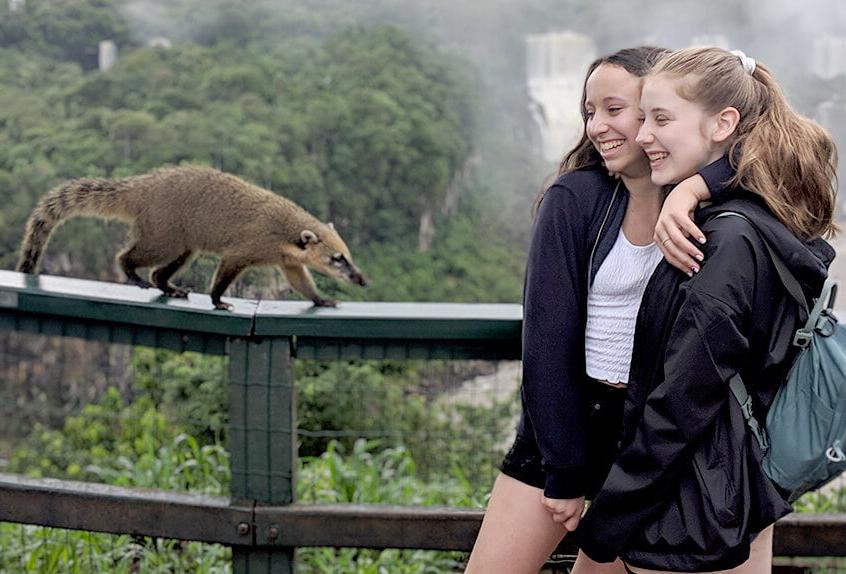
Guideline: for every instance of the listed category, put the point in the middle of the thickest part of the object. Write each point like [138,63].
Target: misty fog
[790,37]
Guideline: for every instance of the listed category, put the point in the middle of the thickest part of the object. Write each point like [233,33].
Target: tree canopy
[365,126]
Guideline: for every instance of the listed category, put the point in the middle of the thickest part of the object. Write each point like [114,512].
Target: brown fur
[177,212]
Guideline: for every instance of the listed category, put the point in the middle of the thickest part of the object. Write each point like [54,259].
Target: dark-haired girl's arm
[553,341]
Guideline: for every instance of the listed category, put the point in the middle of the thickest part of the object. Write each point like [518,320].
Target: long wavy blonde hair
[783,157]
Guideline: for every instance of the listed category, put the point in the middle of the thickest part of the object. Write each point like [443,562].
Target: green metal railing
[260,519]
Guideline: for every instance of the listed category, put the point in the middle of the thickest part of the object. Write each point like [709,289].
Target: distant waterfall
[556,64]
[829,56]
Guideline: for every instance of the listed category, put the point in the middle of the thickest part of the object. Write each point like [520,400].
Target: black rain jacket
[687,492]
[574,230]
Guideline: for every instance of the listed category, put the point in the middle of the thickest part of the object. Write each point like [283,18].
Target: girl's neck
[643,192]
[645,199]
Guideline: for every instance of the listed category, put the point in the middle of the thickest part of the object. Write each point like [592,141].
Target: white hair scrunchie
[747,62]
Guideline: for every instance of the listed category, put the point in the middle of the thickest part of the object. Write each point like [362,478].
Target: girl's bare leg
[760,558]
[585,565]
[517,534]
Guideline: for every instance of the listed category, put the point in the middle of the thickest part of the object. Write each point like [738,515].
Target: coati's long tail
[98,197]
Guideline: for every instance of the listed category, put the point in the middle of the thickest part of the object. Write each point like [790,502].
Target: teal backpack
[804,442]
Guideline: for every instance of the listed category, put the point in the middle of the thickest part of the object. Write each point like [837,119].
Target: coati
[176,212]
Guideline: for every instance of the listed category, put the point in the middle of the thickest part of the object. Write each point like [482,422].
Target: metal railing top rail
[452,321]
[118,304]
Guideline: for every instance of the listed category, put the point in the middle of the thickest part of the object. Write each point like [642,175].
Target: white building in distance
[107,55]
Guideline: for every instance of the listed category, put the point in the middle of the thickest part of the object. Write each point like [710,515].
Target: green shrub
[372,474]
[190,389]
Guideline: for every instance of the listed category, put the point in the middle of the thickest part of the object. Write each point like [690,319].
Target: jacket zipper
[599,235]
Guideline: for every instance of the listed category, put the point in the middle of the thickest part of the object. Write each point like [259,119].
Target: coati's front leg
[226,273]
[161,276]
[301,280]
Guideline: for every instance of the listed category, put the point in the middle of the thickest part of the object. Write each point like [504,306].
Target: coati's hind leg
[301,280]
[136,256]
[161,276]
[226,273]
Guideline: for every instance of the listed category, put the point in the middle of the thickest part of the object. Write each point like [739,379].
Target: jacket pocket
[718,487]
[718,463]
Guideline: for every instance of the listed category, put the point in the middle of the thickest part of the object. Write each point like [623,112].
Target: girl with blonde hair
[591,254]
[687,492]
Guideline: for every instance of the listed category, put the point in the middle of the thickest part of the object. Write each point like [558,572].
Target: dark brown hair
[636,61]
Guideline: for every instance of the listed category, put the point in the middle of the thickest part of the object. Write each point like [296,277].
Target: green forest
[367,126]
[377,115]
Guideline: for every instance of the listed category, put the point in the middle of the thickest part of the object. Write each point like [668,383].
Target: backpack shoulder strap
[787,278]
[824,302]
[821,310]
[738,388]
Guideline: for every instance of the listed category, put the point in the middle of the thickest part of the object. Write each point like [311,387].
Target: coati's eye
[337,259]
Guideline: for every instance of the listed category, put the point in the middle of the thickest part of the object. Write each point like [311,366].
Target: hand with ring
[675,225]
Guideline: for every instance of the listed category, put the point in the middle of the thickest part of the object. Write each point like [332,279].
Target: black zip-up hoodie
[687,492]
[574,230]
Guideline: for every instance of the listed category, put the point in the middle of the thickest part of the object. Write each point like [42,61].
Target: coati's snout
[355,277]
[344,269]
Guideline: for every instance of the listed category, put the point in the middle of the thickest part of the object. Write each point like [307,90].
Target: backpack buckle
[746,409]
[802,338]
[760,434]
[752,422]
[835,453]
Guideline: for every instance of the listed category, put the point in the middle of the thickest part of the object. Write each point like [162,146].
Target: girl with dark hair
[590,257]
[687,492]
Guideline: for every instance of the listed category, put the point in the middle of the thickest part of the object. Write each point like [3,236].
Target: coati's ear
[331,226]
[306,236]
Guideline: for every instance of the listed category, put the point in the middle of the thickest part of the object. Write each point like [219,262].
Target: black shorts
[605,420]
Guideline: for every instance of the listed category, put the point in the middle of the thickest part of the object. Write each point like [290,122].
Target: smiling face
[678,136]
[613,118]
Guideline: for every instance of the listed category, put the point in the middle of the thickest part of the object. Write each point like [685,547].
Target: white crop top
[613,303]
